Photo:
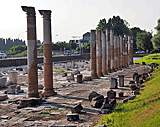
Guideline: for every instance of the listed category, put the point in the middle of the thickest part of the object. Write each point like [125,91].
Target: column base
[32,95]
[94,77]
[48,92]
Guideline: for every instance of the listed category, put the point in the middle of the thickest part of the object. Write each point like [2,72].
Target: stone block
[2,82]
[79,78]
[64,74]
[121,80]
[72,117]
[111,94]
[92,95]
[77,108]
[113,83]
[3,97]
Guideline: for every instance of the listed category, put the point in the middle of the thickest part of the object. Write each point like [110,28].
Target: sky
[75,17]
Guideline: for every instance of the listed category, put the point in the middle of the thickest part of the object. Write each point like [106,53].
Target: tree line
[142,39]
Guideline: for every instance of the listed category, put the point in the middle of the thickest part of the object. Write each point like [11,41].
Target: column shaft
[131,50]
[104,72]
[118,53]
[108,52]
[31,52]
[115,52]
[112,50]
[93,54]
[99,54]
[47,52]
[121,52]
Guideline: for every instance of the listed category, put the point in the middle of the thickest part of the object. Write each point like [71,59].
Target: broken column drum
[79,78]
[31,52]
[93,54]
[112,49]
[47,52]
[13,76]
[121,80]
[113,83]
[104,53]
[99,54]
[108,52]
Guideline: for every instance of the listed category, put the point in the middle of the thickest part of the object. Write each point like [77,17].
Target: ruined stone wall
[6,44]
[19,62]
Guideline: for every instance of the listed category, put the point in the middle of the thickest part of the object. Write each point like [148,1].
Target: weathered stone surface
[121,80]
[25,70]
[87,78]
[77,108]
[133,87]
[72,117]
[79,78]
[64,74]
[76,72]
[3,97]
[111,94]
[97,102]
[2,82]
[71,77]
[113,83]
[29,102]
[40,86]
[8,83]
[121,94]
[92,95]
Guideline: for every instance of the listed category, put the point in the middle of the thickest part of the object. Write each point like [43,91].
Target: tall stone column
[124,52]
[104,72]
[121,51]
[118,53]
[112,49]
[93,54]
[99,54]
[115,52]
[31,52]
[108,52]
[48,89]
[129,50]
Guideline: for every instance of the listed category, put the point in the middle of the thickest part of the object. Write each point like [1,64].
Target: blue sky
[75,17]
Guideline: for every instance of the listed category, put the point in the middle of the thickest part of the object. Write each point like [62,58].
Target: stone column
[48,89]
[121,80]
[115,52]
[31,52]
[129,50]
[104,72]
[13,76]
[118,53]
[108,52]
[126,52]
[93,54]
[121,51]
[99,54]
[112,49]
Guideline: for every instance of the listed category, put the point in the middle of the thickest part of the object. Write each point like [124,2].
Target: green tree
[134,32]
[120,26]
[17,49]
[156,38]
[144,40]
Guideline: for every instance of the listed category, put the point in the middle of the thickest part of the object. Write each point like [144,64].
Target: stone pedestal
[13,76]
[113,83]
[2,82]
[121,80]
[79,78]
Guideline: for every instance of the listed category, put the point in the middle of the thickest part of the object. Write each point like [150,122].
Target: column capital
[45,13]
[30,11]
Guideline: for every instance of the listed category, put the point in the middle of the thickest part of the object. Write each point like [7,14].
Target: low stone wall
[23,61]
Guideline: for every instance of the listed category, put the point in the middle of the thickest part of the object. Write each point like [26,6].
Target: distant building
[84,40]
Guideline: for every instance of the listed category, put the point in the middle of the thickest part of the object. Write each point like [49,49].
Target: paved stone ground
[69,94]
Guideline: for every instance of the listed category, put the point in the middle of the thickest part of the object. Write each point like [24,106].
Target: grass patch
[144,110]
[60,70]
